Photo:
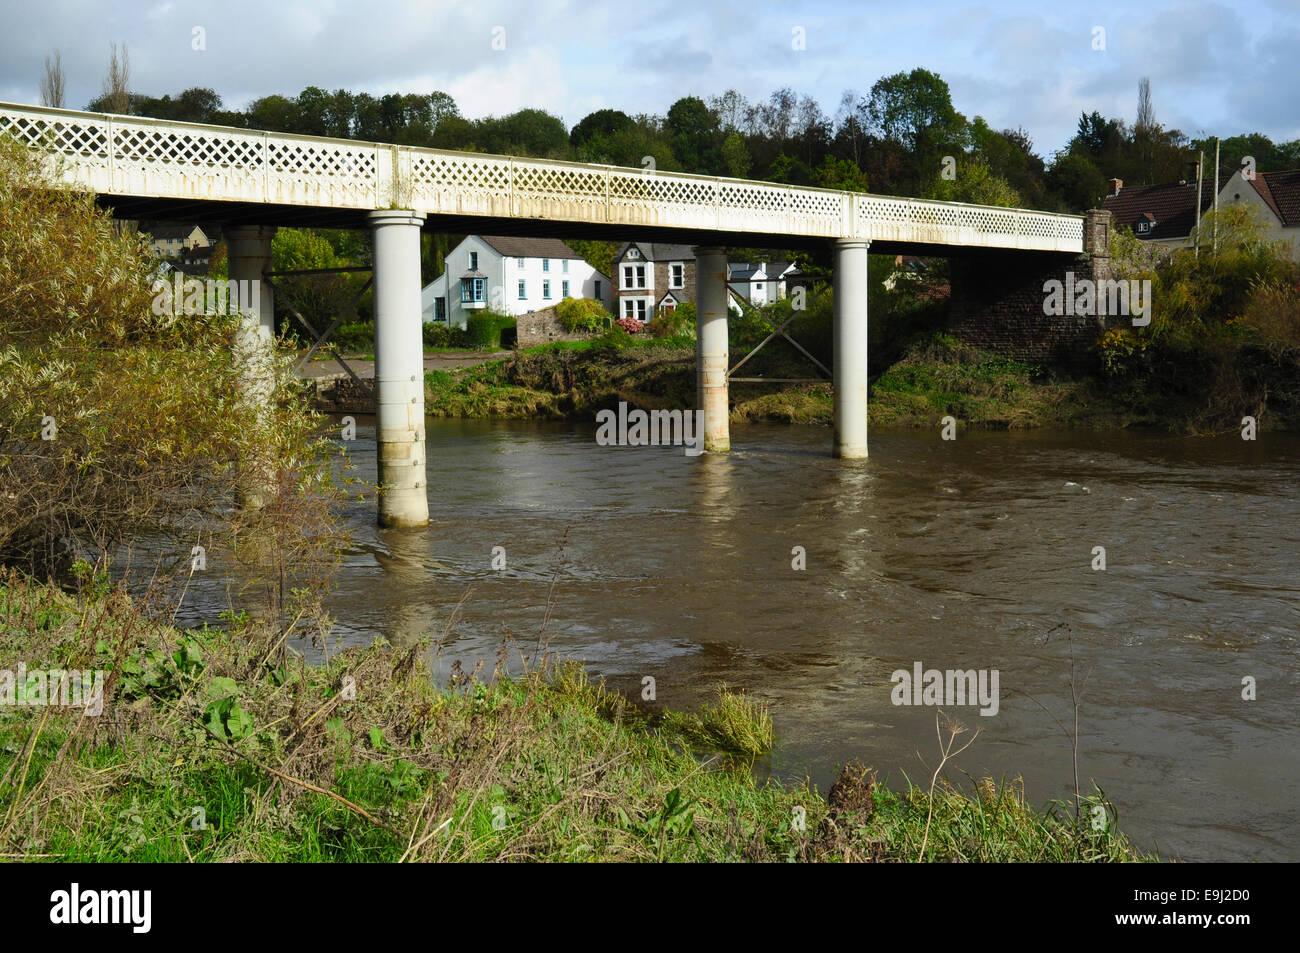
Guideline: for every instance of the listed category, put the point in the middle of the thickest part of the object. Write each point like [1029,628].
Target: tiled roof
[514,247]
[1281,191]
[659,251]
[1173,207]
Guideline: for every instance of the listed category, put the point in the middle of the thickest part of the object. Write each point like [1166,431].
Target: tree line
[903,136]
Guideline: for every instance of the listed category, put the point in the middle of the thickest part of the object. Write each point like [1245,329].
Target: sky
[1215,68]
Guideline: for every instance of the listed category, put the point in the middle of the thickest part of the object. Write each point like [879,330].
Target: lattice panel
[88,140]
[187,161]
[149,144]
[449,171]
[559,181]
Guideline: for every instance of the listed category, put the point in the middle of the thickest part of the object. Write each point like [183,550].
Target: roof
[1172,206]
[659,251]
[742,272]
[1281,192]
[513,247]
[171,232]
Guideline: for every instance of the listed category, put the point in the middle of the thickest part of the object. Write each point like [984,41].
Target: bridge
[251,182]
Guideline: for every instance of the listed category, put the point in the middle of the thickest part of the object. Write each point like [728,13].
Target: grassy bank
[217,744]
[935,378]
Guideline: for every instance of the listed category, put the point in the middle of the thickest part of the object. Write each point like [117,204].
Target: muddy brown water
[970,554]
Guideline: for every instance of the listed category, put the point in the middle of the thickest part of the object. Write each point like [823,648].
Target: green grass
[548,766]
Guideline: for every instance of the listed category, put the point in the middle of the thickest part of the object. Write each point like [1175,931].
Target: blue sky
[1215,68]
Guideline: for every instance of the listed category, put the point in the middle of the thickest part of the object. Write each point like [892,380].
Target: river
[976,553]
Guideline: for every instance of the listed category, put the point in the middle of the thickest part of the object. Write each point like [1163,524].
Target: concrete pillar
[711,346]
[248,256]
[399,369]
[850,356]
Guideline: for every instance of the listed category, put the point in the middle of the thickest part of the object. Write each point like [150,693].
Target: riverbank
[927,384]
[935,378]
[218,744]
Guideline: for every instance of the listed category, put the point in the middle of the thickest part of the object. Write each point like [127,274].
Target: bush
[676,322]
[122,418]
[440,335]
[582,315]
[630,325]
[491,329]
[354,336]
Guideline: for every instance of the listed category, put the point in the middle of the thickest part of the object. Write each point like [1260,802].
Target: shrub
[440,335]
[121,418]
[630,325]
[582,315]
[490,329]
[354,336]
[676,322]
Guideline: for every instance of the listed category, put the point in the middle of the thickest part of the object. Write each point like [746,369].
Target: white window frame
[672,267]
[523,289]
[634,277]
[564,289]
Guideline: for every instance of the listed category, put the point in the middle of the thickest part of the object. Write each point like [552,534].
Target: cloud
[1021,64]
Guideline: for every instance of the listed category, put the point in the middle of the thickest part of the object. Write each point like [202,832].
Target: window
[473,290]
[564,266]
[634,276]
[546,264]
[440,309]
[519,263]
[634,308]
[473,261]
[523,289]
[546,290]
[564,289]
[597,295]
[677,275]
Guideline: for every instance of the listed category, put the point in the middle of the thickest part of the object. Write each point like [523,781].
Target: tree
[733,111]
[603,122]
[914,109]
[840,174]
[1077,180]
[53,82]
[975,182]
[116,89]
[736,160]
[694,134]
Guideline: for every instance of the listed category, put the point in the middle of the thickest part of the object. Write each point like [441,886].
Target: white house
[169,241]
[512,276]
[763,283]
[1275,199]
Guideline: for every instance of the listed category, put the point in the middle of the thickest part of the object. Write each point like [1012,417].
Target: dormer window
[633,253]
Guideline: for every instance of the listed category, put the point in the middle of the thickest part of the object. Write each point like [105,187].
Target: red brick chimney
[1115,186]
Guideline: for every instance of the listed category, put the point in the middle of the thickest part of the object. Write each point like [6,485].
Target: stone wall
[997,301]
[542,327]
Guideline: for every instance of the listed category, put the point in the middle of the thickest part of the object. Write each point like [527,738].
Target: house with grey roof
[509,275]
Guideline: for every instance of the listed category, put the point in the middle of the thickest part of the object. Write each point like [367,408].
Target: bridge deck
[156,168]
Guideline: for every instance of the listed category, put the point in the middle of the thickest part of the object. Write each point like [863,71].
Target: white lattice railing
[132,156]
